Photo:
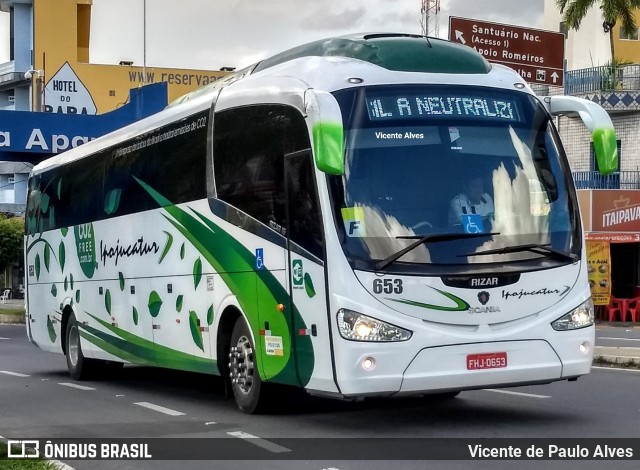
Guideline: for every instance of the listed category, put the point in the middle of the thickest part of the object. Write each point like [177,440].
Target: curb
[11,319]
[630,362]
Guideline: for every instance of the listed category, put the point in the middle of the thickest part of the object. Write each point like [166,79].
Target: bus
[290,225]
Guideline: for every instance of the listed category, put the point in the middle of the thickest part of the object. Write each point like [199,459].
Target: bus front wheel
[246,384]
[79,366]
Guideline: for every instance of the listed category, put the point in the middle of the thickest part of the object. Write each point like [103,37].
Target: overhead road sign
[537,55]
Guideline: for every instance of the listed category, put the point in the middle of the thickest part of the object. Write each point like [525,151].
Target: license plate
[486,361]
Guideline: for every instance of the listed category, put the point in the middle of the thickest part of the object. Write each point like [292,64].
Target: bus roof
[377,56]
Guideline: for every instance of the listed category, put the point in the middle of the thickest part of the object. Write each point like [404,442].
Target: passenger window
[249,148]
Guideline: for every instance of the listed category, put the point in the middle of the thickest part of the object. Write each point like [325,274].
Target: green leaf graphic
[107,301]
[44,203]
[62,255]
[195,330]
[197,272]
[121,279]
[51,330]
[179,303]
[71,281]
[64,231]
[167,246]
[135,315]
[210,315]
[182,251]
[154,304]
[78,296]
[54,290]
[47,256]
[112,201]
[37,263]
[66,283]
[308,285]
[59,188]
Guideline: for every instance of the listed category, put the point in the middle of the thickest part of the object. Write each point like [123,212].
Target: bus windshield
[477,174]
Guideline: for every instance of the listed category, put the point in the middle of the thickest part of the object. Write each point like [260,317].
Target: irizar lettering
[484,281]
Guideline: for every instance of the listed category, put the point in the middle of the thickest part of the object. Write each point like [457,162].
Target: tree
[574,11]
[11,241]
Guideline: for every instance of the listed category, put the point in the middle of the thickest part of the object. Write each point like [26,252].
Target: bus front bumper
[465,367]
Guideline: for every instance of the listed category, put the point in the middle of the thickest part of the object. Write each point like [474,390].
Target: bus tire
[80,368]
[248,389]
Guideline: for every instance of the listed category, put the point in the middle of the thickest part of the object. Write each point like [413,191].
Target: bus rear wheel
[248,388]
[80,368]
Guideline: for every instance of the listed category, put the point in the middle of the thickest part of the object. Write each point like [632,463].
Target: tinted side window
[305,227]
[171,160]
[249,148]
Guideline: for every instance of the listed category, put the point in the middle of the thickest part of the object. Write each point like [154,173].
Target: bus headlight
[580,317]
[358,327]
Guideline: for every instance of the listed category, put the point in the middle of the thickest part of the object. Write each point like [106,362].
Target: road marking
[616,368]
[4,338]
[79,387]
[15,374]
[209,422]
[521,394]
[270,446]
[619,339]
[160,409]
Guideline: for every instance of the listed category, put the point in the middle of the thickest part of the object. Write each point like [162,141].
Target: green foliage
[11,240]
[21,464]
[574,11]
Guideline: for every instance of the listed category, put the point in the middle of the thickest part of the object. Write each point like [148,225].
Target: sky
[205,34]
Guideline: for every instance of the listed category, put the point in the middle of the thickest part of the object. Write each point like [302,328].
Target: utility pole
[429,21]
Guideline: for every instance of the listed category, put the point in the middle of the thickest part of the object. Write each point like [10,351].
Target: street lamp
[36,90]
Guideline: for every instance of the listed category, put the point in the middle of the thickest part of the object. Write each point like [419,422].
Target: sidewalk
[617,355]
[11,304]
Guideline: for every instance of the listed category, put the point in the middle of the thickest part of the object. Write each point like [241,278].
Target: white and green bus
[291,224]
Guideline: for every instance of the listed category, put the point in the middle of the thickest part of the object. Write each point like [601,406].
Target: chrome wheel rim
[74,345]
[241,365]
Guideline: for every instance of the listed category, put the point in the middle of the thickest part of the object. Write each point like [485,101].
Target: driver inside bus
[472,209]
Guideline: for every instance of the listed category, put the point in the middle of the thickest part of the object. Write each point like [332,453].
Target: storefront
[613,216]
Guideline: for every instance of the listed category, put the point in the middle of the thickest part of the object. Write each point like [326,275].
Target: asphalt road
[38,400]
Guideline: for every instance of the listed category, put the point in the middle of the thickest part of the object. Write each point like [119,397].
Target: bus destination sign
[537,55]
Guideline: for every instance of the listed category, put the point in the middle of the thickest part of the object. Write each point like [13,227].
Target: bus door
[307,307]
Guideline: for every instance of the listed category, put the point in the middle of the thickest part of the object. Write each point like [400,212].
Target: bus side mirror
[597,121]
[325,119]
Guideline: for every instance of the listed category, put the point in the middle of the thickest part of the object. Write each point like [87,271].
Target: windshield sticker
[454,135]
[472,223]
[353,218]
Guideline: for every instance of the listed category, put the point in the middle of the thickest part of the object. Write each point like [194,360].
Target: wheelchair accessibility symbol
[472,223]
[259,258]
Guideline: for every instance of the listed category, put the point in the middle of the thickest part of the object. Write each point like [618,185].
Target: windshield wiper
[420,239]
[534,248]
